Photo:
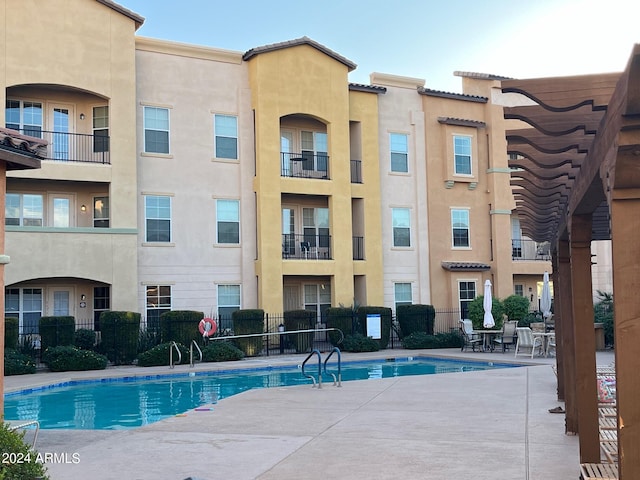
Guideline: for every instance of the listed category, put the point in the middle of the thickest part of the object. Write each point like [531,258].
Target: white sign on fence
[373,326]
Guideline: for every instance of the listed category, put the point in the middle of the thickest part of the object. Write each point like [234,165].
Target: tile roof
[296,42]
[461,122]
[21,151]
[482,76]
[361,87]
[466,266]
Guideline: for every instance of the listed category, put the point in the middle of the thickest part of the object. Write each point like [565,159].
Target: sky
[427,39]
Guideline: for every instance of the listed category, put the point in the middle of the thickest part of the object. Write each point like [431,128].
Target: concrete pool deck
[482,425]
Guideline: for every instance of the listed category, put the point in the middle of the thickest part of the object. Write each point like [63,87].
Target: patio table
[487,338]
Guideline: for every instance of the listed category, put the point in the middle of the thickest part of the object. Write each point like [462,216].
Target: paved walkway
[472,425]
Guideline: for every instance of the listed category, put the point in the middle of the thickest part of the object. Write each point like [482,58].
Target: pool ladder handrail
[337,381]
[191,362]
[173,345]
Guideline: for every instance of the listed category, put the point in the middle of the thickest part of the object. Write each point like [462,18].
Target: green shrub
[84,339]
[29,468]
[246,322]
[603,313]
[476,313]
[529,318]
[300,320]
[120,333]
[516,307]
[16,363]
[11,326]
[419,340]
[56,331]
[159,355]
[221,351]
[342,319]
[385,323]
[67,358]
[415,318]
[359,343]
[180,326]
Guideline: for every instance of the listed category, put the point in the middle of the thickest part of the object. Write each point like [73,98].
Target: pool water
[120,403]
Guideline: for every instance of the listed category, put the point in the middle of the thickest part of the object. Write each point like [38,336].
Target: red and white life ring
[207,327]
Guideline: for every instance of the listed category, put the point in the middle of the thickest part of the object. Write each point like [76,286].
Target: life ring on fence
[207,327]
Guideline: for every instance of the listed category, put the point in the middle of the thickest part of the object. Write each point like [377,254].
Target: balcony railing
[306,247]
[530,250]
[304,165]
[73,147]
[358,248]
[356,171]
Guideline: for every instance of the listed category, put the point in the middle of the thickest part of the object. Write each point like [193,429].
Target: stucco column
[585,338]
[625,224]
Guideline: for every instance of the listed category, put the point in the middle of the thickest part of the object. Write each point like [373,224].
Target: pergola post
[585,338]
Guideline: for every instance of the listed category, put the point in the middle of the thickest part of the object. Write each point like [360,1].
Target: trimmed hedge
[56,331]
[385,323]
[246,322]
[159,356]
[416,318]
[476,313]
[120,332]
[342,319]
[300,320]
[68,358]
[16,363]
[84,339]
[418,340]
[11,328]
[359,343]
[180,326]
[13,443]
[221,351]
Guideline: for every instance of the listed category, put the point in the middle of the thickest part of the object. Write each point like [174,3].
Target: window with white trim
[156,130]
[317,298]
[462,154]
[24,116]
[460,228]
[402,294]
[228,301]
[226,136]
[518,289]
[158,302]
[101,212]
[100,126]
[157,211]
[24,304]
[466,293]
[228,221]
[399,146]
[401,222]
[24,210]
[101,303]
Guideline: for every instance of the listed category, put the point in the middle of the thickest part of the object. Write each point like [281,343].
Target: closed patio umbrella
[487,303]
[545,300]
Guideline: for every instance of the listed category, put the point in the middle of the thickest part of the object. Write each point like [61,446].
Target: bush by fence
[11,330]
[180,326]
[120,332]
[415,318]
[385,323]
[56,331]
[300,320]
[246,322]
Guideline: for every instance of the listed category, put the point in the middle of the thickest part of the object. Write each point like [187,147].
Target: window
[228,301]
[518,290]
[460,228]
[101,212]
[228,221]
[466,293]
[401,227]
[158,302]
[317,298]
[462,155]
[226,136]
[24,116]
[26,305]
[157,218]
[101,303]
[61,212]
[156,130]
[314,151]
[402,294]
[315,224]
[399,152]
[516,238]
[100,129]
[25,210]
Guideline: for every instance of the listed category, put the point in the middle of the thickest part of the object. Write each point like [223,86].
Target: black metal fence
[150,335]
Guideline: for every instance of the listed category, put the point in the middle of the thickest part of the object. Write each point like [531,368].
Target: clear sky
[427,39]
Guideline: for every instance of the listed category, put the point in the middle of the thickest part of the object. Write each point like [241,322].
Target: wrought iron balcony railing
[530,250]
[306,247]
[358,248]
[73,147]
[356,171]
[304,165]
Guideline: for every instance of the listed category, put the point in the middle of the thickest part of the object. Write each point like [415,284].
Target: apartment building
[187,177]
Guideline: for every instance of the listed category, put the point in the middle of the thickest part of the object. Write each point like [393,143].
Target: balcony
[530,250]
[306,247]
[73,147]
[304,165]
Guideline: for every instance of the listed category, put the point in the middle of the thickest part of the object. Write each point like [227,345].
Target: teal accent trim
[499,212]
[97,231]
[499,170]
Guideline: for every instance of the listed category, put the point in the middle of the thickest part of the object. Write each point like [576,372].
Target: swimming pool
[120,403]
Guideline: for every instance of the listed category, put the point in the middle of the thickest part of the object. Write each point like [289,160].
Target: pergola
[576,178]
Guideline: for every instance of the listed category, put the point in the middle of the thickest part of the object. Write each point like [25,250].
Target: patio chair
[526,340]
[508,336]
[469,339]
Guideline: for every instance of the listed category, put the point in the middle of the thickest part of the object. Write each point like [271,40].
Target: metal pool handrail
[171,347]
[314,352]
[193,343]
[336,382]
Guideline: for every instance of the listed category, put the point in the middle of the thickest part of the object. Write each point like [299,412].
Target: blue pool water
[119,403]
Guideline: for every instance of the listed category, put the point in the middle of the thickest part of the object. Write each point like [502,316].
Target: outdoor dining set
[536,340]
